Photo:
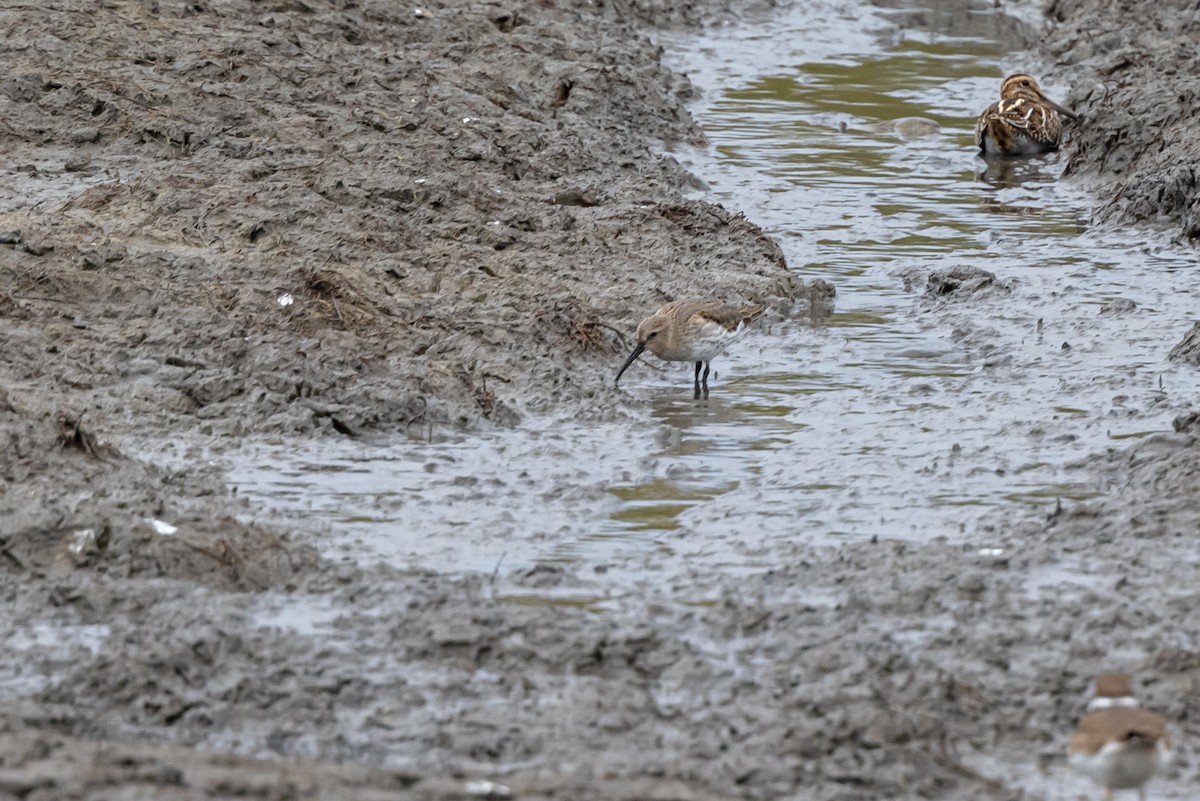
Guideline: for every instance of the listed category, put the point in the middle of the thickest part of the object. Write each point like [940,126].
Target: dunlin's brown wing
[1116,724]
[751,313]
[728,317]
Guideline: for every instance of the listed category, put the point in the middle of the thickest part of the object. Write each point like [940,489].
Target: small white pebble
[418,12]
[466,120]
[487,789]
[419,181]
[82,541]
[991,551]
[160,527]
[285,300]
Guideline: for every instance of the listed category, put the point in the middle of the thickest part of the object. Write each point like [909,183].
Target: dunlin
[1117,744]
[1023,122]
[691,331]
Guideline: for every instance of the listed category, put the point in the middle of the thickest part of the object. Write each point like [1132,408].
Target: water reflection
[1002,173]
[875,213]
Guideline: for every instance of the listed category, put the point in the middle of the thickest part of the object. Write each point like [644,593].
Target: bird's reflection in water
[1008,173]
[1016,173]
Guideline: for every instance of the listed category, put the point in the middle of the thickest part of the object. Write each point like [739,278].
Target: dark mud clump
[960,281]
[1132,66]
[957,282]
[1188,348]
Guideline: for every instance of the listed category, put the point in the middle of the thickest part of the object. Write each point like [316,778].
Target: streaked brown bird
[1117,744]
[692,331]
[1024,122]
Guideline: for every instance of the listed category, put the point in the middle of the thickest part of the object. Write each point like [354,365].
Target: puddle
[897,417]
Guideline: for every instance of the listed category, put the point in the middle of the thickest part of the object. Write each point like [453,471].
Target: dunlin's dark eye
[1024,83]
[652,335]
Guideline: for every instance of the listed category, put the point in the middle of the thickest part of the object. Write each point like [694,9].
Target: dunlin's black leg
[704,381]
[696,394]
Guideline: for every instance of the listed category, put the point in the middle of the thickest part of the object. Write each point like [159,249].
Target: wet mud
[216,223]
[332,220]
[1130,68]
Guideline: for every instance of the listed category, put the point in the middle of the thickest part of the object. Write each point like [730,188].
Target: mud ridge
[1131,65]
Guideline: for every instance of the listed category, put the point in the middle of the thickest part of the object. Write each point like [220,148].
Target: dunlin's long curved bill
[637,351]
[691,331]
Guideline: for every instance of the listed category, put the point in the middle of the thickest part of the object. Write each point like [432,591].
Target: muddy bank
[867,671]
[1131,67]
[73,502]
[233,218]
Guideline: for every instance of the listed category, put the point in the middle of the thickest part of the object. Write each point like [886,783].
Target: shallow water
[899,416]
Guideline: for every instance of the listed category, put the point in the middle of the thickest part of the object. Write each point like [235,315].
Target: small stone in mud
[821,291]
[972,584]
[84,136]
[1185,422]
[574,197]
[486,789]
[996,558]
[959,281]
[77,547]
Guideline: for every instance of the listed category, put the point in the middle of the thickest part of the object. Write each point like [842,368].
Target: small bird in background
[1024,122]
[1117,744]
[692,331]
